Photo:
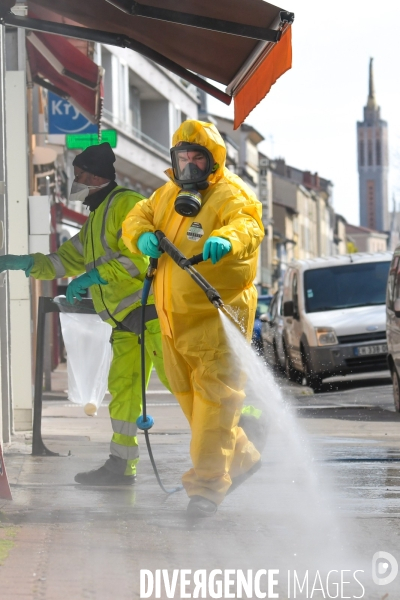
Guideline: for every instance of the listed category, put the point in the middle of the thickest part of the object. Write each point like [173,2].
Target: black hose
[187,265]
[144,406]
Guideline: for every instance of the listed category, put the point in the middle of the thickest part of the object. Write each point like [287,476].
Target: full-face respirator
[191,165]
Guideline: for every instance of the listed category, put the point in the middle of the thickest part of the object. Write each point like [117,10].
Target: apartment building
[362,239]
[304,221]
[143,103]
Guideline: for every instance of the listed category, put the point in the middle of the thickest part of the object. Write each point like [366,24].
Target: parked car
[334,316]
[393,324]
[263,303]
[272,330]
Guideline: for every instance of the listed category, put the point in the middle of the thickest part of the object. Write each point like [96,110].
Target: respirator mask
[191,165]
[80,191]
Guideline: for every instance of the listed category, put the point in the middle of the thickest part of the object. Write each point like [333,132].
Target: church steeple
[373,166]
[371,110]
[371,103]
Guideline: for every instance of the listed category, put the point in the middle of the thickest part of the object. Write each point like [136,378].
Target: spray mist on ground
[296,499]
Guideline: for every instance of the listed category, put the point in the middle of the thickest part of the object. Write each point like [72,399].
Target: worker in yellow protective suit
[204,208]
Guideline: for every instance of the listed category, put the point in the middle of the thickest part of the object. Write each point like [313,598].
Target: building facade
[373,163]
[362,239]
[144,103]
[303,218]
[340,236]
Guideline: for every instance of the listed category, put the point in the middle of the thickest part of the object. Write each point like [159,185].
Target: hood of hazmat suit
[230,210]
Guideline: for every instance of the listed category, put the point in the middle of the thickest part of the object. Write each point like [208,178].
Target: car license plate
[368,350]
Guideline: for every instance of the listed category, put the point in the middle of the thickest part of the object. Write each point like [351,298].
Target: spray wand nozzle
[187,265]
[151,269]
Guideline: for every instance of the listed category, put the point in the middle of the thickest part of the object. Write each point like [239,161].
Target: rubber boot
[200,507]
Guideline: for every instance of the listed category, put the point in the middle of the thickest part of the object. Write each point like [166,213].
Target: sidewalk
[63,541]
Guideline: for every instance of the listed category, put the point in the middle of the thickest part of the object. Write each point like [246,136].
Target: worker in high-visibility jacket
[115,277]
[204,208]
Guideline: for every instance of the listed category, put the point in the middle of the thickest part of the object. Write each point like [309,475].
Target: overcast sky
[309,117]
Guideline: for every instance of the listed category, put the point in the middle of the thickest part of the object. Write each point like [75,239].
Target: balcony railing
[135,133]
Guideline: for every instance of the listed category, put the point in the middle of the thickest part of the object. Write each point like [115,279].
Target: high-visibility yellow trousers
[125,387]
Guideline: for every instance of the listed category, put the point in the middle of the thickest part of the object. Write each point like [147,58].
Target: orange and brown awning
[243,44]
[59,66]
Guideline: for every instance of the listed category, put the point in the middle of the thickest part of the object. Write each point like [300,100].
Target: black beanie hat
[97,160]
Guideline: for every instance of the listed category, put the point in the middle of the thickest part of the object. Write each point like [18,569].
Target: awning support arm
[230,27]
[114,39]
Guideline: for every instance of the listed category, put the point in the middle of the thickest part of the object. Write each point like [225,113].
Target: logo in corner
[384,568]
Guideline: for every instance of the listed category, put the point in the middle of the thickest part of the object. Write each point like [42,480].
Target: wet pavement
[62,540]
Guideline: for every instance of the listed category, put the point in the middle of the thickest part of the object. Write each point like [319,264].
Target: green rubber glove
[215,248]
[13,262]
[148,245]
[79,285]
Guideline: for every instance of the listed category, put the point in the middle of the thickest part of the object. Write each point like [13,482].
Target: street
[62,540]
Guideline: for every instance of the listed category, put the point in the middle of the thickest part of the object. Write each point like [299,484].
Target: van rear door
[293,324]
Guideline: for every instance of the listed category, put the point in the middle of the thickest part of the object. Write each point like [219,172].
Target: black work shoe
[236,481]
[105,477]
[201,507]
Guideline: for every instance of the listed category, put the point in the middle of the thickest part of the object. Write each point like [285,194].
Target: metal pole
[38,447]
[5,403]
[198,21]
[48,330]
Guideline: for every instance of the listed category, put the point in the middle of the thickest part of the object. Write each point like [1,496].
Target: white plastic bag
[89,353]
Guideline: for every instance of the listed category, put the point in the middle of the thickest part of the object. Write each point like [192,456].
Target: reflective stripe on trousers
[124,427]
[124,452]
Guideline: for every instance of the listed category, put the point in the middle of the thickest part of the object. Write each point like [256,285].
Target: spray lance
[187,265]
[145,421]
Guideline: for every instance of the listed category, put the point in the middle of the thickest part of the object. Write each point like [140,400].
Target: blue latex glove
[215,248]
[79,285]
[148,245]
[12,262]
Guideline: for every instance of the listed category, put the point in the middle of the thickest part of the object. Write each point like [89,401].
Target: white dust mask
[80,191]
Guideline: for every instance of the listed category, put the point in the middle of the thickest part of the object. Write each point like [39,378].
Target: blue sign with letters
[65,118]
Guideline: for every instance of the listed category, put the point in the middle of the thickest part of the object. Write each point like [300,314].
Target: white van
[334,316]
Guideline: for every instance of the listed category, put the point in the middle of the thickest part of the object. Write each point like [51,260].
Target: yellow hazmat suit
[198,361]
